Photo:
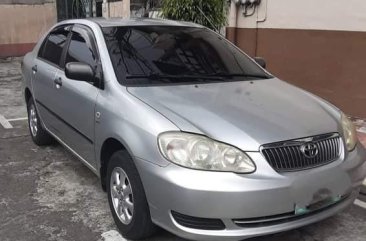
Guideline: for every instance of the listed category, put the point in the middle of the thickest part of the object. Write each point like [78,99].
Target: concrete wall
[28,2]
[308,14]
[21,25]
[117,9]
[317,45]
[23,22]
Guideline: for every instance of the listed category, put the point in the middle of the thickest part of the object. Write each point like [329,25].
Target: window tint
[80,49]
[174,51]
[53,46]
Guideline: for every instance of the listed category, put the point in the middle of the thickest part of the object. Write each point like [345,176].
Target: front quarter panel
[131,122]
[124,117]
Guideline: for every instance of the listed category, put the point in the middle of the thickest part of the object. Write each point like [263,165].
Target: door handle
[58,82]
[34,69]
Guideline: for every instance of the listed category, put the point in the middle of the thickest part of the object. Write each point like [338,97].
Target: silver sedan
[187,132]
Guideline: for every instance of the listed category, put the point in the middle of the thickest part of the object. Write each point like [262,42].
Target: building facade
[23,22]
[317,45]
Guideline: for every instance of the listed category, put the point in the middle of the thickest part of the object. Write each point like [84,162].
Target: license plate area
[320,205]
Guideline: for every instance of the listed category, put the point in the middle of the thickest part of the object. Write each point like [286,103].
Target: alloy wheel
[33,120]
[122,196]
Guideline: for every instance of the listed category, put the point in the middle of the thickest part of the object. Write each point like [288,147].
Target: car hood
[246,114]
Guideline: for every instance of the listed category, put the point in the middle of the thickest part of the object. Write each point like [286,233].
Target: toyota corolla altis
[187,132]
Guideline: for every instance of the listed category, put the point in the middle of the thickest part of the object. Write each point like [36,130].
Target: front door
[76,105]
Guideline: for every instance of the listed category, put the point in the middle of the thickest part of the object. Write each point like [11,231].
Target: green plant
[210,13]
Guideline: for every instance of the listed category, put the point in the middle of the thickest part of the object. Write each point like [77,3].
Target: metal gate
[67,9]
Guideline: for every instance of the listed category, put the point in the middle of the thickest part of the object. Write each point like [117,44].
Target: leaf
[214,17]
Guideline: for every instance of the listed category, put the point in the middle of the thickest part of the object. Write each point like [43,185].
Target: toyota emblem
[310,150]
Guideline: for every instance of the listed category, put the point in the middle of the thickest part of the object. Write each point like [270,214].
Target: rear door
[44,70]
[76,99]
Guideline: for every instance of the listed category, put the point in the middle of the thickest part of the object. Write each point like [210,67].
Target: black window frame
[45,40]
[98,69]
[91,39]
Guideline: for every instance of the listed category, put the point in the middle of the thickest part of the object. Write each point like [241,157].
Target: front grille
[198,223]
[291,155]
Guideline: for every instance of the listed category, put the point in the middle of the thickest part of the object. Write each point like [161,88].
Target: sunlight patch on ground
[112,235]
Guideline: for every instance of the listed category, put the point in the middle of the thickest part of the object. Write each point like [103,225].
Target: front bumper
[230,196]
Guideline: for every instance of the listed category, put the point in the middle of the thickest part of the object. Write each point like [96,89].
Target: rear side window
[52,48]
[80,48]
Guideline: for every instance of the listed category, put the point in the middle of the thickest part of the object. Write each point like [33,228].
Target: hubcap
[33,120]
[121,194]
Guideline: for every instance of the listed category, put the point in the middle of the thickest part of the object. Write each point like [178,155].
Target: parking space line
[112,235]
[5,123]
[18,119]
[360,203]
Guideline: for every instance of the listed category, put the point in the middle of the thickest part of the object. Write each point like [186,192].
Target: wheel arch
[27,94]
[109,147]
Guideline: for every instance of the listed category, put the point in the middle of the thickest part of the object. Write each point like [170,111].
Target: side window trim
[92,40]
[87,33]
[90,37]
[66,48]
[42,48]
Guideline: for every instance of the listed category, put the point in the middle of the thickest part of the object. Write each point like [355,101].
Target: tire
[124,184]
[363,188]
[39,135]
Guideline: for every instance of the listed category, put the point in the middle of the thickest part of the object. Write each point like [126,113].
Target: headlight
[199,152]
[349,132]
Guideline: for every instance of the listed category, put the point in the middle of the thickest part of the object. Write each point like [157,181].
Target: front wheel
[39,135]
[126,197]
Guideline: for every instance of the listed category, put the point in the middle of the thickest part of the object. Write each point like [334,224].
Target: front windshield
[143,55]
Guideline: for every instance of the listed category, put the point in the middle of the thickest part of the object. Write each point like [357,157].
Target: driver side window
[80,48]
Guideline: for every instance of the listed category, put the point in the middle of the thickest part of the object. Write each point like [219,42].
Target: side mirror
[79,71]
[261,62]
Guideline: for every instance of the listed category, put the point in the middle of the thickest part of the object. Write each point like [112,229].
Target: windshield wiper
[156,76]
[195,77]
[229,75]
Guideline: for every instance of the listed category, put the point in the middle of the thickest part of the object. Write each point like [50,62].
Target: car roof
[115,22]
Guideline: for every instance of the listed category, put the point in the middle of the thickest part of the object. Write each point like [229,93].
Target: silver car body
[245,114]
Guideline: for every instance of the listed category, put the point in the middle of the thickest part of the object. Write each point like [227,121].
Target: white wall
[346,15]
[119,9]
[25,23]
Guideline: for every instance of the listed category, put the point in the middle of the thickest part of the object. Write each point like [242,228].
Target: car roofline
[121,22]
